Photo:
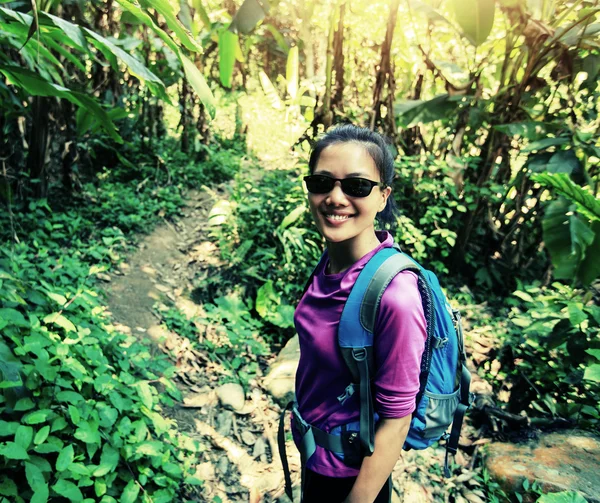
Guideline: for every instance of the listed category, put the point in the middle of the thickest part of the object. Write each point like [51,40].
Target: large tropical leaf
[201,11]
[36,86]
[198,83]
[228,42]
[567,238]
[587,204]
[409,113]
[249,15]
[283,45]
[164,8]
[476,18]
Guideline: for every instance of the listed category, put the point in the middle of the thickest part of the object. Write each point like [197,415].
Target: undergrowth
[81,404]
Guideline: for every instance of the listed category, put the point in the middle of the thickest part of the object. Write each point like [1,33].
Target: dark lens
[319,184]
[357,187]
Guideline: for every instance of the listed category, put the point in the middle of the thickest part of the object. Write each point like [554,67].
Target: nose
[336,196]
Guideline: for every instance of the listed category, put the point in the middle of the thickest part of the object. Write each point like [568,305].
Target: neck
[345,254]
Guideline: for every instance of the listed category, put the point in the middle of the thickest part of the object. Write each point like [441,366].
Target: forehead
[345,159]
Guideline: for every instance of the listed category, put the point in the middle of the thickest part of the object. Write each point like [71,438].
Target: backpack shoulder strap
[389,269]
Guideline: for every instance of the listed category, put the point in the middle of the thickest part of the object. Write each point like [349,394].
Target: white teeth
[338,217]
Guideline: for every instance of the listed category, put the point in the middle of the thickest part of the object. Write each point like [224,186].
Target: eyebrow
[350,175]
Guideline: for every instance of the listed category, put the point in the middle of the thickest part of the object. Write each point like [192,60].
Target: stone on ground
[561,461]
[279,382]
[231,395]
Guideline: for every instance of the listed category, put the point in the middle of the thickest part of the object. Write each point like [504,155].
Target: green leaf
[562,497]
[35,478]
[476,18]
[566,236]
[576,314]
[544,143]
[228,42]
[198,83]
[41,435]
[249,15]
[109,459]
[283,45]
[24,436]
[594,352]
[8,487]
[587,204]
[42,495]
[164,8]
[130,493]
[564,161]
[37,417]
[68,490]
[65,458]
[134,66]
[409,113]
[24,404]
[12,450]
[8,429]
[145,393]
[201,11]
[36,86]
[12,315]
[150,448]
[592,373]
[87,433]
[61,321]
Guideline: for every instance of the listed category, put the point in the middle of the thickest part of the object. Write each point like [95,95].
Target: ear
[385,193]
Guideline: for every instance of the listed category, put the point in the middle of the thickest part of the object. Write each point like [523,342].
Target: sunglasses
[354,187]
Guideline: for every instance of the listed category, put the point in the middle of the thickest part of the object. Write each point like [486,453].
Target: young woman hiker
[349,187]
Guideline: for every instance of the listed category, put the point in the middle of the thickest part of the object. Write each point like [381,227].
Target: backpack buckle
[348,392]
[439,343]
[359,354]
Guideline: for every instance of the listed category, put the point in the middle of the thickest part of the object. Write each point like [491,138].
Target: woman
[348,188]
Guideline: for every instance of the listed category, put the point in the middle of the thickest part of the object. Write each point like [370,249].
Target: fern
[587,204]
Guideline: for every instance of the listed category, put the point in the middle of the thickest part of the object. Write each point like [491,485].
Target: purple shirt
[400,332]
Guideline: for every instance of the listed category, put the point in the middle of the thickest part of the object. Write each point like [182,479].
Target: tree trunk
[305,15]
[385,68]
[184,122]
[337,102]
[38,146]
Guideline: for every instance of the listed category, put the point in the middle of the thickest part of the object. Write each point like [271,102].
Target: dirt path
[238,459]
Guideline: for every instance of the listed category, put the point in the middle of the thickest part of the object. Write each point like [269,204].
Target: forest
[155,236]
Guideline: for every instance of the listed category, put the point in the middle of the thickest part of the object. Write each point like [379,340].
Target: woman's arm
[375,469]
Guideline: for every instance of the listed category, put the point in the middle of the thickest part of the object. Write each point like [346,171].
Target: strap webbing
[367,428]
[459,415]
[283,453]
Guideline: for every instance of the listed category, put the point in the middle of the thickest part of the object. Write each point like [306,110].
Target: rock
[248,437]
[224,422]
[205,471]
[231,395]
[260,448]
[561,461]
[104,277]
[223,465]
[279,381]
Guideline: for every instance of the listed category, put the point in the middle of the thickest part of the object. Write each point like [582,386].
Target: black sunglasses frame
[346,184]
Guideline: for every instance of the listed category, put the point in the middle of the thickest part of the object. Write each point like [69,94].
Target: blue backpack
[443,396]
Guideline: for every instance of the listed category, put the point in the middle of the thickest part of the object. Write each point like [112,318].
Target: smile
[336,218]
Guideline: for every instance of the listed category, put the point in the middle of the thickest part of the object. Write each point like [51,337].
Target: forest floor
[238,459]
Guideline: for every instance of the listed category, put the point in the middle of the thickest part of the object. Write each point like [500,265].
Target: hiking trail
[238,460]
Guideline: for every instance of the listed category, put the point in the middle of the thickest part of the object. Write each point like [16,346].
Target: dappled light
[158,235]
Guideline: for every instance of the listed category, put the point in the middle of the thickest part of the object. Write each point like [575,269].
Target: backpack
[443,396]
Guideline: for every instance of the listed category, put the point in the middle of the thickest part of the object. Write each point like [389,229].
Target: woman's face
[338,216]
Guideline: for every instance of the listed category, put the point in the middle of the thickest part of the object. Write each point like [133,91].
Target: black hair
[378,149]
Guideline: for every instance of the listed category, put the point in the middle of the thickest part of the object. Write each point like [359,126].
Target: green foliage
[431,209]
[81,411]
[549,354]
[562,497]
